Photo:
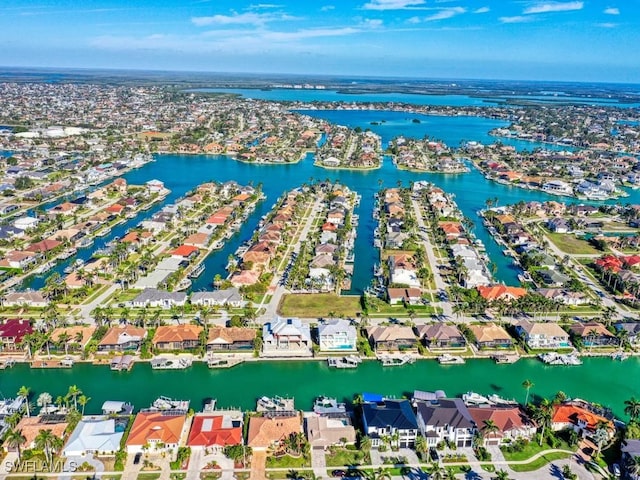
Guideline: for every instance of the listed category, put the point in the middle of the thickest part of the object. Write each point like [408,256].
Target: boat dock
[275,405]
[168,363]
[223,361]
[505,358]
[7,363]
[555,358]
[446,359]
[63,363]
[349,361]
[395,360]
[122,362]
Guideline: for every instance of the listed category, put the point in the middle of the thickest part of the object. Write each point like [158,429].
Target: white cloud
[516,19]
[249,18]
[607,25]
[392,4]
[612,11]
[327,8]
[260,6]
[554,7]
[309,33]
[372,22]
[482,10]
[440,14]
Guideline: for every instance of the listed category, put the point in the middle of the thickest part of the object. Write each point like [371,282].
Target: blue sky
[588,40]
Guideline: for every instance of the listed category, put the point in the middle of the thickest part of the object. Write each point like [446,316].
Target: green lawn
[339,457]
[571,244]
[149,476]
[319,305]
[287,461]
[539,462]
[531,449]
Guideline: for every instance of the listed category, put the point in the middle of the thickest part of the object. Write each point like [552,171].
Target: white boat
[84,242]
[169,405]
[104,232]
[44,268]
[196,272]
[164,363]
[446,359]
[183,285]
[328,406]
[349,361]
[555,358]
[275,404]
[473,398]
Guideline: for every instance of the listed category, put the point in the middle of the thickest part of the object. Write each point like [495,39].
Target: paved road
[279,290]
[431,256]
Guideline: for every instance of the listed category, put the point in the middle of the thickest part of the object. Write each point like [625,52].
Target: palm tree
[48,443]
[82,401]
[436,472]
[542,415]
[44,399]
[421,445]
[15,439]
[24,393]
[632,408]
[502,475]
[633,466]
[380,474]
[527,385]
[489,427]
[73,394]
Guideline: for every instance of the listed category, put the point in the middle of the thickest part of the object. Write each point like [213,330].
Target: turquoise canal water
[600,380]
[182,172]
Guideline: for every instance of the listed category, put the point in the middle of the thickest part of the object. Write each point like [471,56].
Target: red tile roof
[207,430]
[15,328]
[184,251]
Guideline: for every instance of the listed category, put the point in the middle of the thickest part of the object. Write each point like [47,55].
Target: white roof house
[94,435]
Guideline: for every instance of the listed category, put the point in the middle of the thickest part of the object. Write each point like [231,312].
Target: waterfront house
[389,418]
[593,334]
[155,432]
[25,223]
[29,298]
[405,296]
[552,277]
[287,337]
[230,338]
[43,246]
[445,420]
[501,292]
[558,225]
[215,430]
[337,336]
[245,277]
[219,298]
[265,432]
[186,252]
[512,423]
[632,329]
[402,271]
[70,339]
[567,297]
[579,416]
[392,337]
[324,431]
[95,435]
[30,427]
[490,335]
[152,297]
[18,259]
[154,186]
[441,335]
[125,338]
[177,337]
[542,334]
[199,240]
[12,331]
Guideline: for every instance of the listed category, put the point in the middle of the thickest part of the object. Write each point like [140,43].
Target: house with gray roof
[441,335]
[388,418]
[228,296]
[97,435]
[152,297]
[286,337]
[337,336]
[446,419]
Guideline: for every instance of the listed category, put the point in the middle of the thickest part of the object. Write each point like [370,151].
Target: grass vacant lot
[287,461]
[539,462]
[339,457]
[319,305]
[572,245]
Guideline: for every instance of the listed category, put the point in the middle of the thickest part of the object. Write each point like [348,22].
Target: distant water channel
[183,172]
